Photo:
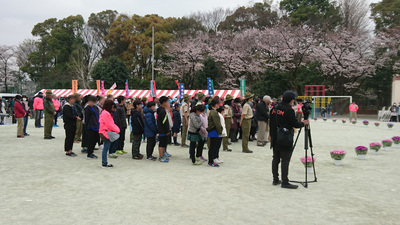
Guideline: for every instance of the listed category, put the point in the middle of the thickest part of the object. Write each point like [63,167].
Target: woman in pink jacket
[107,125]
[57,105]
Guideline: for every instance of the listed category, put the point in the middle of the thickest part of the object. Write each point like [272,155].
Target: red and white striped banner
[144,93]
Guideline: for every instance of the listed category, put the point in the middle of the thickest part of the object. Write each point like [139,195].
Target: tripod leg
[297,138]
[306,154]
[312,153]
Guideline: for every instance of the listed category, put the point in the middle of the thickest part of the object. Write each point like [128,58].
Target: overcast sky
[17,17]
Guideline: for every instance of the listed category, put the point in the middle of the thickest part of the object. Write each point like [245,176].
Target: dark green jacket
[48,106]
[214,122]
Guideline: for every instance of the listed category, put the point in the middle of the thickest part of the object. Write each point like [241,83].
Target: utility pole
[152,54]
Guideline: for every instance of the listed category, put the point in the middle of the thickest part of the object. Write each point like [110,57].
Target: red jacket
[19,110]
[107,124]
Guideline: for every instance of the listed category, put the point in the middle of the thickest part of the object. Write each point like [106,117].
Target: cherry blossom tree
[238,54]
[187,54]
[287,48]
[347,59]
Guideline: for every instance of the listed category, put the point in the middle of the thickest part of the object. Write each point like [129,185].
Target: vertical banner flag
[242,87]
[126,89]
[74,86]
[177,83]
[103,91]
[153,88]
[98,87]
[109,92]
[181,91]
[210,87]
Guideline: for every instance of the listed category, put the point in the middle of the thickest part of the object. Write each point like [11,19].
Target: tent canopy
[144,93]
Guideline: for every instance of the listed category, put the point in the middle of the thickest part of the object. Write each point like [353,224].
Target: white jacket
[224,133]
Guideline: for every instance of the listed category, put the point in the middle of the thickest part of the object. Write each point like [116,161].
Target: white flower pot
[309,170]
[375,152]
[396,145]
[361,157]
[386,148]
[338,162]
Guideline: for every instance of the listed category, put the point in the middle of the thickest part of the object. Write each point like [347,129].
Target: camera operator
[282,121]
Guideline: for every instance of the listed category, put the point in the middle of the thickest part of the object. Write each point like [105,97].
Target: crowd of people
[201,120]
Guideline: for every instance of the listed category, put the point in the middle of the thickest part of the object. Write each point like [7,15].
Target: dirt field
[40,185]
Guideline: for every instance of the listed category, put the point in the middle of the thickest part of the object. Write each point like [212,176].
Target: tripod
[307,143]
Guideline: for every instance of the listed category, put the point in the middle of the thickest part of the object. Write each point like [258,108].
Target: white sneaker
[220,161]
[100,147]
[216,161]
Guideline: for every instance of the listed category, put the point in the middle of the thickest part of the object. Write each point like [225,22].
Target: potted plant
[377,124]
[325,119]
[334,120]
[375,146]
[308,163]
[387,143]
[344,121]
[361,151]
[390,125]
[315,118]
[353,122]
[337,156]
[366,122]
[396,141]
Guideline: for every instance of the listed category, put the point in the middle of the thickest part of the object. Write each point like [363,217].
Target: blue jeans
[26,119]
[108,146]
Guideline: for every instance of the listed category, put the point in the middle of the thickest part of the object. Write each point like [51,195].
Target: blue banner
[153,93]
[210,87]
[181,91]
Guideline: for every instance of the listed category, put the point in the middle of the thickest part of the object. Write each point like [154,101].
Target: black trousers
[281,155]
[151,143]
[92,138]
[199,153]
[212,152]
[85,141]
[121,140]
[69,137]
[233,135]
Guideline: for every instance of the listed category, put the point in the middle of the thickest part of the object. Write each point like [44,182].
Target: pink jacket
[353,108]
[107,124]
[57,104]
[38,103]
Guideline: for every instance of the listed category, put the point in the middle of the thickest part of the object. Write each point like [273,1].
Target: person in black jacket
[283,116]
[120,121]
[91,126]
[137,129]
[69,118]
[176,117]
[78,110]
[163,127]
[262,116]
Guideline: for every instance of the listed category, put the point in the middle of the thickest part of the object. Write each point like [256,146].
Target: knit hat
[77,94]
[48,92]
[248,95]
[228,97]
[289,96]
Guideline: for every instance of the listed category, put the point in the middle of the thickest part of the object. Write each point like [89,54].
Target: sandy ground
[40,185]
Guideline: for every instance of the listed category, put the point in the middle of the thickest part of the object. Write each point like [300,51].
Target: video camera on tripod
[306,108]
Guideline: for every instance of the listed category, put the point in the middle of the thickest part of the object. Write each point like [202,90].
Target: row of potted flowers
[361,151]
[365,122]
